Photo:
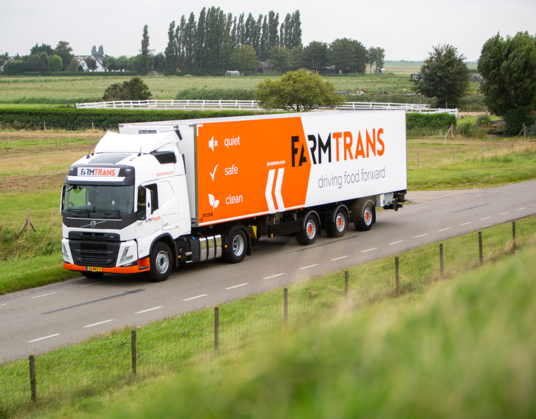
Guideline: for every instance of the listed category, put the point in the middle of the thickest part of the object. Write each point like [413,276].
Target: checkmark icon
[213,173]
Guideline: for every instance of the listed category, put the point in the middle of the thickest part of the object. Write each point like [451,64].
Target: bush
[514,120]
[12,68]
[135,89]
[430,121]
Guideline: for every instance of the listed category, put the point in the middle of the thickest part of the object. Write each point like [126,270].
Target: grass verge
[177,344]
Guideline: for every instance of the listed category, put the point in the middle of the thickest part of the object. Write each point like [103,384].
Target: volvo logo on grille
[93,223]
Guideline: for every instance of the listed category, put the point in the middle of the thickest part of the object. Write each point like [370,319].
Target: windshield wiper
[112,213]
[79,211]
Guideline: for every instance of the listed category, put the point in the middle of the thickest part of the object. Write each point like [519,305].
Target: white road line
[342,257]
[197,296]
[485,218]
[399,241]
[273,276]
[149,309]
[422,235]
[88,285]
[368,250]
[43,338]
[96,324]
[237,286]
[3,305]
[464,224]
[45,295]
[444,229]
[310,266]
[520,209]
[504,213]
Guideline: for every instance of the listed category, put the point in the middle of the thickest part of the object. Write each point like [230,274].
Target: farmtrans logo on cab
[262,166]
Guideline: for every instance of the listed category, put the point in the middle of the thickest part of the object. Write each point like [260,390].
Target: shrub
[135,89]
[431,121]
[514,120]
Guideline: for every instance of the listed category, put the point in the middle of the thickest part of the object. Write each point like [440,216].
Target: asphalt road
[41,319]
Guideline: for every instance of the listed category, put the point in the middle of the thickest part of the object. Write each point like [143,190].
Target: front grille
[94,254]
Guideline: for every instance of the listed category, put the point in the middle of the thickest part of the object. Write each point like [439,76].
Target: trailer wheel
[338,228]
[365,217]
[310,232]
[92,275]
[161,263]
[238,245]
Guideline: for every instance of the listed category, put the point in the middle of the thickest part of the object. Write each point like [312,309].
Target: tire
[365,217]
[338,228]
[92,275]
[161,263]
[238,246]
[310,233]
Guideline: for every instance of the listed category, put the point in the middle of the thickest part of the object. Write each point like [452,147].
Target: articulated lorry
[161,194]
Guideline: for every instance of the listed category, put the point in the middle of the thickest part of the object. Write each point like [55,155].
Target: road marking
[237,286]
[3,305]
[43,338]
[464,224]
[197,296]
[399,241]
[422,235]
[485,218]
[504,213]
[368,250]
[520,209]
[88,285]
[149,309]
[444,229]
[45,295]
[342,257]
[273,276]
[96,324]
[310,266]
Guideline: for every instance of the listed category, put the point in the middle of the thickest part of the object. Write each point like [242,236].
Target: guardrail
[247,105]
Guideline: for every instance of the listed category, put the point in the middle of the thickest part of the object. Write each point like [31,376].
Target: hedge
[82,74]
[76,119]
[79,119]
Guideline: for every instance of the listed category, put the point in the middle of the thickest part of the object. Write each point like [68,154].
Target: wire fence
[122,356]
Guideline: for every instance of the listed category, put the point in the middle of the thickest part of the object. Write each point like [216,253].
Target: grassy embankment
[32,176]
[435,349]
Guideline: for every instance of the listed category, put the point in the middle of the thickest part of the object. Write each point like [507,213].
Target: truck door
[149,223]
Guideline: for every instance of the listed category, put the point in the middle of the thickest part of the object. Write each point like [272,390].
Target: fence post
[514,233]
[33,380]
[133,350]
[285,299]
[441,258]
[345,286]
[397,284]
[480,246]
[216,328]
[453,160]
[418,159]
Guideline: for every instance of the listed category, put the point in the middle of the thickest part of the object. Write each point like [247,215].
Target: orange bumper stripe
[143,266]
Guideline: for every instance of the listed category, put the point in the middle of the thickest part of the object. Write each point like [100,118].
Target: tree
[111,64]
[446,76]
[144,62]
[315,56]
[380,58]
[73,65]
[343,55]
[64,51]
[279,59]
[244,58]
[371,57]
[297,91]
[91,63]
[93,50]
[100,51]
[33,63]
[135,89]
[361,57]
[54,63]
[508,69]
[122,63]
[171,51]
[43,62]
[295,58]
[159,62]
[40,49]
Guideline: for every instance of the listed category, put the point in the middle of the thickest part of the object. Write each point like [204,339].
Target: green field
[376,339]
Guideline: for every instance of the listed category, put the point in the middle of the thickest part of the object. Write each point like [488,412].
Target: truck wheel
[161,263]
[309,234]
[338,228]
[92,275]
[237,247]
[365,217]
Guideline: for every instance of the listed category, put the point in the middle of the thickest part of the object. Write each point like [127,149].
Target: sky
[407,30]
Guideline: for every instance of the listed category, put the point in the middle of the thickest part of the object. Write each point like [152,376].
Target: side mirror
[62,200]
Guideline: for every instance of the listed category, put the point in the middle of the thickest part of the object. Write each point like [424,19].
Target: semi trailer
[158,195]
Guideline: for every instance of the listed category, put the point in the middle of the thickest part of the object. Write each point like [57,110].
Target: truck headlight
[66,257]
[125,257]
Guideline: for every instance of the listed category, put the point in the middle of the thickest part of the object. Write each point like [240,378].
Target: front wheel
[238,247]
[309,234]
[161,263]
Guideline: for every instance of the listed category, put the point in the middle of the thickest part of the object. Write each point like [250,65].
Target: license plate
[94,269]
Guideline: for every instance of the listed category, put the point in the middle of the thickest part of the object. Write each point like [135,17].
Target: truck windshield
[88,198]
